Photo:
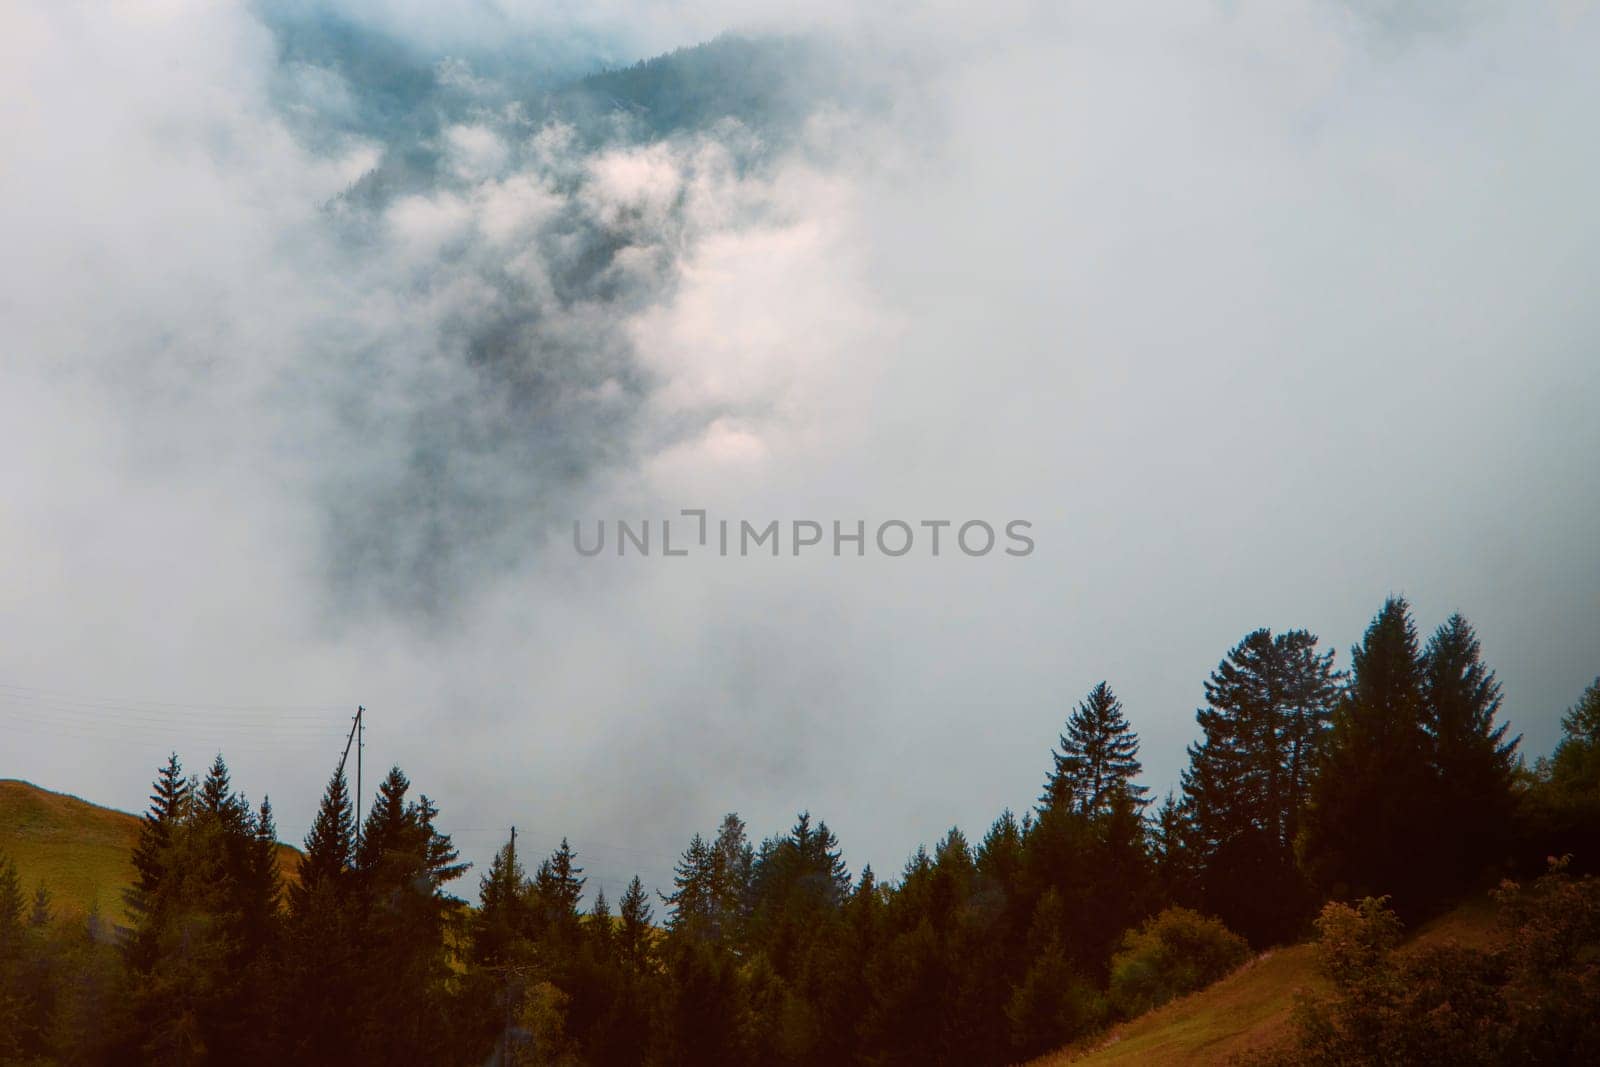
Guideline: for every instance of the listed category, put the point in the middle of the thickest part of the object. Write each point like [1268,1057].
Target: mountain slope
[1250,1009]
[80,851]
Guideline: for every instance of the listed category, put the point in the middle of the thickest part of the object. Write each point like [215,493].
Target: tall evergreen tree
[690,901]
[1172,853]
[730,869]
[503,902]
[1574,769]
[152,853]
[329,851]
[634,930]
[1269,702]
[323,947]
[1472,760]
[557,889]
[1369,803]
[1099,757]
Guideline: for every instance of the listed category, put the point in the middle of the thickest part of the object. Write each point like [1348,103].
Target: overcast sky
[1258,312]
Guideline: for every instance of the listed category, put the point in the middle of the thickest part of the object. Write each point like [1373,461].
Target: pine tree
[502,916]
[440,857]
[691,898]
[1099,757]
[1473,762]
[557,888]
[634,931]
[169,806]
[1269,703]
[265,877]
[1368,807]
[217,799]
[1574,769]
[329,847]
[155,863]
[1173,854]
[731,862]
[324,950]
[390,843]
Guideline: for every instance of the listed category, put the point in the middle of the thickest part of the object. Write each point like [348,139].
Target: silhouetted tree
[1369,803]
[1099,756]
[1472,761]
[1270,701]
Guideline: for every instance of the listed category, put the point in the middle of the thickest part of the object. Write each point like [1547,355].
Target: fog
[323,322]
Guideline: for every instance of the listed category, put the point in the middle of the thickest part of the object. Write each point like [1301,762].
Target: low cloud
[332,318]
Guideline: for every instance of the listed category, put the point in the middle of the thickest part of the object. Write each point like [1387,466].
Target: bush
[1536,1000]
[1174,953]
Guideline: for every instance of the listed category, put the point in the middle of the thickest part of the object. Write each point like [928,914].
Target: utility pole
[361,743]
[358,736]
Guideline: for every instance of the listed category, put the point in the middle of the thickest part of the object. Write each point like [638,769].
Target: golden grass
[81,852]
[1250,1010]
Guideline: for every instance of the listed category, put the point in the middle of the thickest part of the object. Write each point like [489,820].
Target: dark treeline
[1306,785]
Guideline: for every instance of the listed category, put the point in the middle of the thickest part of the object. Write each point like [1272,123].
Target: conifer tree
[1574,769]
[329,848]
[324,940]
[731,863]
[557,888]
[1369,803]
[1473,762]
[1269,702]
[1099,757]
[633,933]
[169,805]
[265,877]
[216,798]
[1172,853]
[691,898]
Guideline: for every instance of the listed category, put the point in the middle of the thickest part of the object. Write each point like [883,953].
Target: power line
[201,706]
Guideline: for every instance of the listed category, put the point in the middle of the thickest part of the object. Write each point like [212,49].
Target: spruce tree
[1099,757]
[329,848]
[1172,853]
[557,888]
[324,939]
[1472,761]
[1574,769]
[169,805]
[1269,702]
[731,863]
[266,878]
[634,931]
[1367,815]
[502,916]
[691,898]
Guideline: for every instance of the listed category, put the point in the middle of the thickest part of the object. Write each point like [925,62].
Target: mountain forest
[1340,806]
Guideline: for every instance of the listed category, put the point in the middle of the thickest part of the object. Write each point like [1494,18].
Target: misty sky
[320,322]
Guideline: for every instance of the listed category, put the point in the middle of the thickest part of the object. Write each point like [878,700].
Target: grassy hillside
[80,851]
[1250,1009]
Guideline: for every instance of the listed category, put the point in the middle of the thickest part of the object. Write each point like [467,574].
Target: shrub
[1174,953]
[1537,1000]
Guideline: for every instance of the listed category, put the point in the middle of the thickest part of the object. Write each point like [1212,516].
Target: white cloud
[1259,311]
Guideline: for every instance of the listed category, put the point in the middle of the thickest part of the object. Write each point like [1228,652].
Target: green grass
[81,852]
[1251,1009]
